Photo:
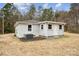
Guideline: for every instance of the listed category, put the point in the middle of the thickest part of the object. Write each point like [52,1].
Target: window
[60,26]
[49,26]
[29,27]
[41,26]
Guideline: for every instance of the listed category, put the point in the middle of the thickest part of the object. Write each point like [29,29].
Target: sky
[24,7]
[1,5]
[57,6]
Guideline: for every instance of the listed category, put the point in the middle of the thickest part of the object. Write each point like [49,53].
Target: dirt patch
[66,45]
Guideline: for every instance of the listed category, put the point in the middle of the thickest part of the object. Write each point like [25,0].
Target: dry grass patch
[66,45]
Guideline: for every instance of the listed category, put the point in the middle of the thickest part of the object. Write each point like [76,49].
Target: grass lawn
[66,45]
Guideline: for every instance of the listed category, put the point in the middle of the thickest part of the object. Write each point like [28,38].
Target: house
[38,28]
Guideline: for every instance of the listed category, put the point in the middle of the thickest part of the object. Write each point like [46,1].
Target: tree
[47,14]
[74,6]
[31,13]
[38,13]
[6,8]
[9,22]
[71,18]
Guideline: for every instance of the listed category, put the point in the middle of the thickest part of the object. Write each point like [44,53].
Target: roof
[37,22]
[26,22]
[52,22]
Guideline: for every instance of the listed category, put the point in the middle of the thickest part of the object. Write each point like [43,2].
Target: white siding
[55,30]
[43,31]
[61,31]
[36,29]
[21,30]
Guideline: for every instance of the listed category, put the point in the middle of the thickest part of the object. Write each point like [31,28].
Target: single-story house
[38,28]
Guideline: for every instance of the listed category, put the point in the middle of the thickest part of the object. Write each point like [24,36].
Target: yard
[66,45]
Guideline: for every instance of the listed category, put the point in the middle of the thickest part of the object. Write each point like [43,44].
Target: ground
[66,45]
